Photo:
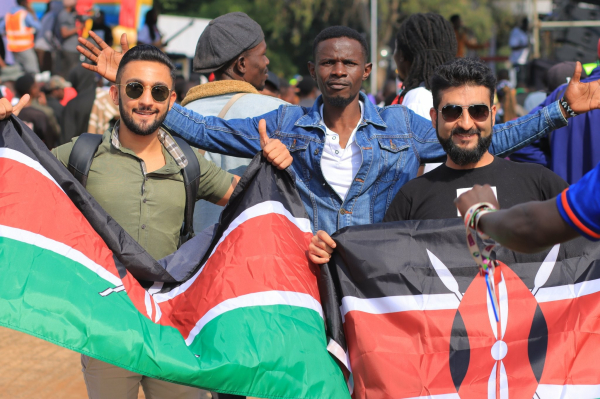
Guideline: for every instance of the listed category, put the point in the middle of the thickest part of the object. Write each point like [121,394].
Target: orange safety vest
[18,35]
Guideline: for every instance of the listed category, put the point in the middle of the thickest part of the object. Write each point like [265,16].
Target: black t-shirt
[432,195]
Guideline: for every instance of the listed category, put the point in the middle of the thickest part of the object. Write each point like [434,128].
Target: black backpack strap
[82,155]
[191,179]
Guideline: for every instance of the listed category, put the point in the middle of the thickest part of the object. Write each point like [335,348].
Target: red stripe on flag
[265,253]
[400,355]
[30,201]
[573,341]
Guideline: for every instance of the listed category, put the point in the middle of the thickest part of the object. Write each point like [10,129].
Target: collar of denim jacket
[313,117]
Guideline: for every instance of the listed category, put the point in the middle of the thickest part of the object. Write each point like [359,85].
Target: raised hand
[6,108]
[107,60]
[274,150]
[582,97]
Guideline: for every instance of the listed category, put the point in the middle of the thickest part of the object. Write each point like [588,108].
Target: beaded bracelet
[566,106]
[483,257]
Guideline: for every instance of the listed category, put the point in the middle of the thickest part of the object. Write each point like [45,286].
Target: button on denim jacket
[393,140]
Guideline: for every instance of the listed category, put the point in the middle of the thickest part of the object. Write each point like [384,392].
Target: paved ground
[31,368]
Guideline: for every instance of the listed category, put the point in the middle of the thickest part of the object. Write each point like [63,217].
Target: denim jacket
[393,140]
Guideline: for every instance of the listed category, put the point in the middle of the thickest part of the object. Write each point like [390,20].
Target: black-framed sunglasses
[134,90]
[479,112]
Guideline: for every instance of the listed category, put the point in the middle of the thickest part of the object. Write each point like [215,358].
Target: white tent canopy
[186,42]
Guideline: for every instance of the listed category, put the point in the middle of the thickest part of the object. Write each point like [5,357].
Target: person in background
[423,42]
[575,148]
[233,48]
[45,41]
[101,29]
[271,86]
[506,97]
[76,116]
[540,151]
[149,33]
[66,22]
[33,117]
[288,93]
[464,37]
[104,112]
[19,26]
[55,92]
[519,51]
[26,84]
[307,91]
[389,93]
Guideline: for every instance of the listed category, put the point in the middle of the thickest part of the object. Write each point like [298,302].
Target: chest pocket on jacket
[392,158]
[297,148]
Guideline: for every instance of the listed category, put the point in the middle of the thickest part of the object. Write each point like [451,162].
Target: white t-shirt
[340,165]
[420,101]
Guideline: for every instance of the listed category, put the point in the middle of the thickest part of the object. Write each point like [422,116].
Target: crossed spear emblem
[499,349]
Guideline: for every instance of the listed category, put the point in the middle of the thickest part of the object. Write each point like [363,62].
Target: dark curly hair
[146,52]
[461,72]
[426,41]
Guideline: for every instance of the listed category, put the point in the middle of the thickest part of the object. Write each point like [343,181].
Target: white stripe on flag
[264,208]
[399,303]
[570,291]
[267,298]
[567,391]
[58,247]
[27,161]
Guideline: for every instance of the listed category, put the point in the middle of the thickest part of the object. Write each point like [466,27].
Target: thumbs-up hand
[581,96]
[6,108]
[274,150]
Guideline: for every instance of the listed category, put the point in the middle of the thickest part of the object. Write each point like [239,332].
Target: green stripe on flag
[262,334]
[271,351]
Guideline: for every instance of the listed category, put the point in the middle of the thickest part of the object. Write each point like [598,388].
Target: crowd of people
[354,162]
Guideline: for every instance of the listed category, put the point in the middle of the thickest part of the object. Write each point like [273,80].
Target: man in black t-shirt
[463,116]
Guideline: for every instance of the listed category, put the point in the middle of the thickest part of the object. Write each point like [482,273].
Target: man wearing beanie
[233,48]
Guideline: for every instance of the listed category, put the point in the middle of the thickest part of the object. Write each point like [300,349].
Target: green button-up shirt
[149,206]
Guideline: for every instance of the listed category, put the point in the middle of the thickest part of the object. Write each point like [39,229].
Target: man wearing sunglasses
[350,157]
[136,176]
[463,116]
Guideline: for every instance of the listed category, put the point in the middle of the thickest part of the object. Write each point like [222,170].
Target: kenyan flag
[247,318]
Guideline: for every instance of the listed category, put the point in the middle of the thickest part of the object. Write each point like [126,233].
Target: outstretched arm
[235,137]
[529,227]
[510,136]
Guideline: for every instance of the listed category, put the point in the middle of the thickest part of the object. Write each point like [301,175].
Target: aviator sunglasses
[134,90]
[478,112]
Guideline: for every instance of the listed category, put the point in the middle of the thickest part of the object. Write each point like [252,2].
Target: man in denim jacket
[350,157]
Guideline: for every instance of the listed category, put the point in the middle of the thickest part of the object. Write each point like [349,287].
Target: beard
[463,156]
[139,128]
[339,101]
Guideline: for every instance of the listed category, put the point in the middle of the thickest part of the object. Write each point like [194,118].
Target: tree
[290,26]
